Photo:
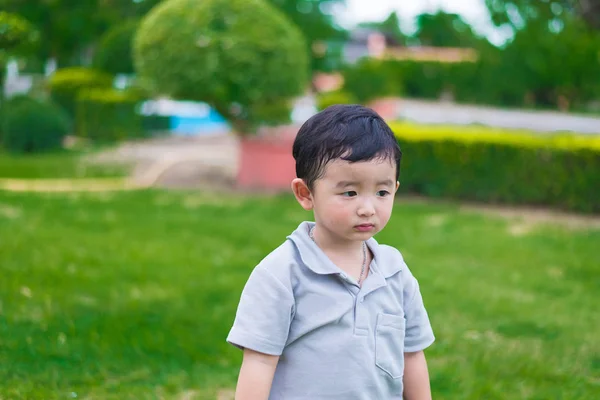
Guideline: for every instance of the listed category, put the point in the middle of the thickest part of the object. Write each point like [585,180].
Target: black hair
[346,131]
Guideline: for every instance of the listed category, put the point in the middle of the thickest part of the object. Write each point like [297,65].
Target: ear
[303,194]
[397,186]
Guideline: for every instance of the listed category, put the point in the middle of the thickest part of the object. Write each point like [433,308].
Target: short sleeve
[419,334]
[264,314]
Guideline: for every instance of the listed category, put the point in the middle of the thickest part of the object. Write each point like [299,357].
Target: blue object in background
[187,118]
[188,126]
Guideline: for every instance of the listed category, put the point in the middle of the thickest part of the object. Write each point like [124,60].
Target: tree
[128,9]
[315,21]
[551,78]
[445,30]
[243,57]
[390,27]
[113,53]
[17,36]
[518,13]
[16,33]
[313,18]
[67,27]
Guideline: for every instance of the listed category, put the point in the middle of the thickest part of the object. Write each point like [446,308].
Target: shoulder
[279,264]
[396,271]
[390,253]
[390,260]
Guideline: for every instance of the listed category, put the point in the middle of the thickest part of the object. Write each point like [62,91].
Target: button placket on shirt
[373,282]
[361,315]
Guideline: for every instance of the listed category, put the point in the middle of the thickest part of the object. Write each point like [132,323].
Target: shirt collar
[317,261]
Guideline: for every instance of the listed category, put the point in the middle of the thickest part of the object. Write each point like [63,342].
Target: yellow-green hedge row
[108,115]
[501,166]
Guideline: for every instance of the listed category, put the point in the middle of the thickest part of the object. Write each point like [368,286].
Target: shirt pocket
[389,344]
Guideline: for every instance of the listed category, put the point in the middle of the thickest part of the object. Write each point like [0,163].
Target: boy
[331,314]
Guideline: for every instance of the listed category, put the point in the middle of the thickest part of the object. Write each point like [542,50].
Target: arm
[416,377]
[256,376]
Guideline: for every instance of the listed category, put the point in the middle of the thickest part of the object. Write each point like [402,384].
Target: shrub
[497,166]
[370,79]
[429,79]
[32,125]
[108,115]
[113,54]
[327,99]
[235,55]
[66,83]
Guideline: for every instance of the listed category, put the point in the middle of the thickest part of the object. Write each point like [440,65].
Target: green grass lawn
[63,164]
[131,295]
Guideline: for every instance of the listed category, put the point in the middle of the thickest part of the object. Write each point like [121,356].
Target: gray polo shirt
[335,340]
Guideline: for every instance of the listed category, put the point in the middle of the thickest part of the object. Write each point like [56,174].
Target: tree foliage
[114,51]
[557,69]
[66,27]
[518,13]
[236,55]
[69,28]
[445,30]
[390,27]
[16,33]
[315,21]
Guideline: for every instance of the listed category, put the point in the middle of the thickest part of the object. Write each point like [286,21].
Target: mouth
[364,227]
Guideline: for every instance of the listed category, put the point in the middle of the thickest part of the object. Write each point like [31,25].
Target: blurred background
[145,163]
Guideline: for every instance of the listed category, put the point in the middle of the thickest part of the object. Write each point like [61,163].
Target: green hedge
[560,171]
[65,85]
[108,115]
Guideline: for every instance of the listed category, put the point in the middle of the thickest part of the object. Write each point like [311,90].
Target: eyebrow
[386,182]
[342,184]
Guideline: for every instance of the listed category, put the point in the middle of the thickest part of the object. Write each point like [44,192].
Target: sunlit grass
[131,295]
[61,164]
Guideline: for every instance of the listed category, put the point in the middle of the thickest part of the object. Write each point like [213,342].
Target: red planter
[266,161]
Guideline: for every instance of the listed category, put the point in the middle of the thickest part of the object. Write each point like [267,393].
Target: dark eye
[350,193]
[383,193]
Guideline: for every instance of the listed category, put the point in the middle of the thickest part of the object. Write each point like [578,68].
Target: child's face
[353,201]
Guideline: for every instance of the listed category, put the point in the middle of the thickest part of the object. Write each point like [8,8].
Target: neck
[330,243]
[344,253]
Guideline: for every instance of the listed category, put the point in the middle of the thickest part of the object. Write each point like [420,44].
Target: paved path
[180,161]
[542,121]
[171,162]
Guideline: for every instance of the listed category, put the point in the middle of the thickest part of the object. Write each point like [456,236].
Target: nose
[366,208]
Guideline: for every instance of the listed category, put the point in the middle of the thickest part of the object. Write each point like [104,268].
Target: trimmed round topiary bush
[32,125]
[113,54]
[66,83]
[239,56]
